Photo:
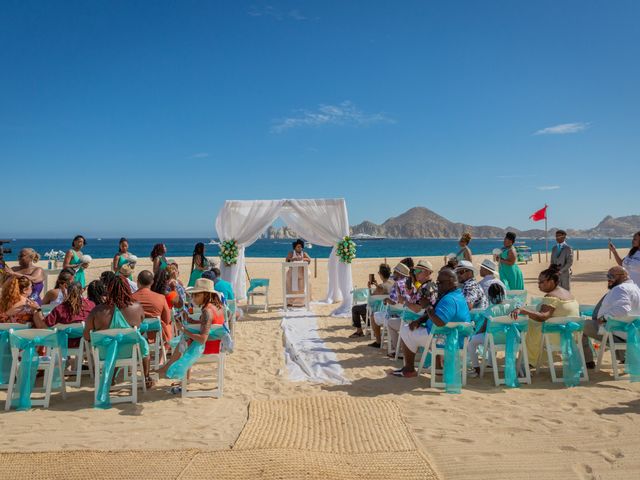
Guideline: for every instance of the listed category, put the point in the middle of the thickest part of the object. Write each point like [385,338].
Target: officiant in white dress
[295,275]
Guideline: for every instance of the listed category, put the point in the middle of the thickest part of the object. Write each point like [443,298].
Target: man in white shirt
[488,272]
[623,299]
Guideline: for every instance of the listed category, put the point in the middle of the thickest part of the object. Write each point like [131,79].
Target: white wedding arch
[322,222]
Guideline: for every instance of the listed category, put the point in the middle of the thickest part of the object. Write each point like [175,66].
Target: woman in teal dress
[73,259]
[123,256]
[158,258]
[510,272]
[199,263]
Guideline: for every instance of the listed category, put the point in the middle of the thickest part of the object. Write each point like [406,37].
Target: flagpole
[546,235]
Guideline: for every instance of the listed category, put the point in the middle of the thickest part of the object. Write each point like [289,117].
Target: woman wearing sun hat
[205,296]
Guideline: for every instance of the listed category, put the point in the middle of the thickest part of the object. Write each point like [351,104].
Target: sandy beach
[542,430]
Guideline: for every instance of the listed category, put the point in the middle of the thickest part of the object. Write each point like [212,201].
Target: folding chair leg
[494,360]
[485,352]
[552,368]
[585,374]
[525,357]
[12,381]
[612,351]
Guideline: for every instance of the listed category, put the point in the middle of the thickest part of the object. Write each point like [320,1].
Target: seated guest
[97,292]
[154,304]
[426,295]
[221,285]
[488,272]
[399,294]
[27,268]
[73,309]
[623,299]
[16,305]
[359,312]
[204,295]
[472,292]
[119,305]
[55,296]
[496,296]
[107,277]
[451,307]
[557,302]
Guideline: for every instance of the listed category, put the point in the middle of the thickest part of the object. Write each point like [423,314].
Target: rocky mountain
[420,222]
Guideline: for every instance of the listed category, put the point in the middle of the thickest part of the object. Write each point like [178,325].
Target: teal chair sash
[110,349]
[5,353]
[512,333]
[29,366]
[64,334]
[410,316]
[571,360]
[150,325]
[360,295]
[452,365]
[179,369]
[257,282]
[632,363]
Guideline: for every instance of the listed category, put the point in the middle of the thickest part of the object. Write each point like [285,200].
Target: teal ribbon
[409,315]
[632,357]
[64,334]
[257,282]
[512,332]
[29,366]
[110,349]
[179,369]
[517,299]
[150,325]
[5,354]
[360,295]
[571,360]
[375,305]
[452,366]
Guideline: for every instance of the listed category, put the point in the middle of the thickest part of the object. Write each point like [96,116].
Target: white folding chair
[4,330]
[48,364]
[437,349]
[548,345]
[208,360]
[158,351]
[132,361]
[609,342]
[374,304]
[491,347]
[258,287]
[80,353]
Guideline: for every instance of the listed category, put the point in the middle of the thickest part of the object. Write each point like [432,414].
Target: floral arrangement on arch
[229,252]
[346,250]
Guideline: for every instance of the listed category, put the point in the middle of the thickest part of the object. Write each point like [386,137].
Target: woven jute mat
[310,438]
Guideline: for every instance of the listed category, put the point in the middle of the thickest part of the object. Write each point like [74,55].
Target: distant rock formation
[420,222]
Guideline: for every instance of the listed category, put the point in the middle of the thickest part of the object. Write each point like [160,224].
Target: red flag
[539,215]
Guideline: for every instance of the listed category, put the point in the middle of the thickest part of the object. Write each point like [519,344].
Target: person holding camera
[359,312]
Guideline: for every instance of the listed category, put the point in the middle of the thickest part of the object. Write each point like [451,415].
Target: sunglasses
[611,276]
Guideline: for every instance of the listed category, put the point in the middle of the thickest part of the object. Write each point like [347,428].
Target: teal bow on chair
[452,366]
[257,282]
[110,348]
[5,353]
[571,360]
[64,335]
[180,367]
[512,332]
[29,365]
[632,361]
[150,325]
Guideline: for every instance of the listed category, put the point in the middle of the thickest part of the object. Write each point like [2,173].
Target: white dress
[632,265]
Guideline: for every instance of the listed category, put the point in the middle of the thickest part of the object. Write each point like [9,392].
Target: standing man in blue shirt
[450,307]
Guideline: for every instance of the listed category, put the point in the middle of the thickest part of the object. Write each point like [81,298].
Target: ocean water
[183,247]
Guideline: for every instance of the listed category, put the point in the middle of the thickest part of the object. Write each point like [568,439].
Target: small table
[305,276]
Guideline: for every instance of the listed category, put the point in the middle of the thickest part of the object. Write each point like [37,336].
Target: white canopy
[323,222]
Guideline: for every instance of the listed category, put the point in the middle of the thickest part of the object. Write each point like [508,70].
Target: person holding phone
[359,312]
[631,262]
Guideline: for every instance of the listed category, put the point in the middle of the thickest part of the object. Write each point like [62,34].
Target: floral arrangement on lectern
[346,250]
[229,252]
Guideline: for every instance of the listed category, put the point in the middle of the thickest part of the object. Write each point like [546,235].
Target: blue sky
[140,118]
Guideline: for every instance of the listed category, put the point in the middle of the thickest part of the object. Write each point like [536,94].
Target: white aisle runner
[306,355]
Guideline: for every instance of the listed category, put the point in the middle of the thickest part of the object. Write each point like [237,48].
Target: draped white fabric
[244,222]
[323,222]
